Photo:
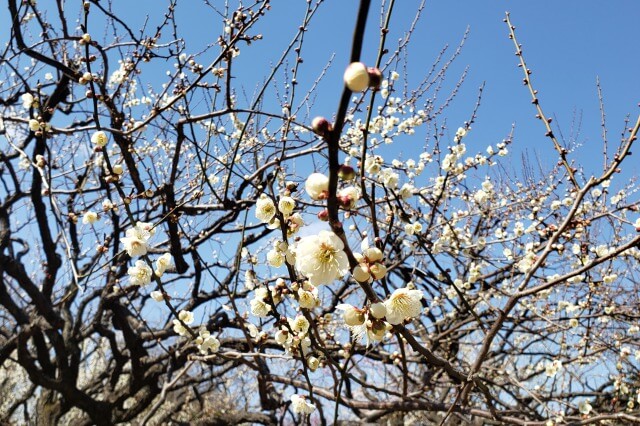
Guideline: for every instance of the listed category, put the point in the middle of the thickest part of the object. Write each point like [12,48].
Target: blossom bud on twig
[321,126]
[356,77]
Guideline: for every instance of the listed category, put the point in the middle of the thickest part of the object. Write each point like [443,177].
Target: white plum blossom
[585,407]
[361,273]
[265,209]
[552,367]
[321,258]
[317,186]
[185,317]
[275,258]
[313,363]
[163,263]
[286,205]
[27,100]
[140,273]
[389,178]
[206,342]
[349,197]
[90,218]
[406,191]
[134,245]
[299,324]
[117,169]
[307,296]
[99,138]
[480,196]
[299,405]
[259,306]
[378,271]
[403,303]
[157,296]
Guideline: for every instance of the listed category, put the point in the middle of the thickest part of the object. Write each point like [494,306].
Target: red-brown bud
[321,126]
[375,77]
[324,215]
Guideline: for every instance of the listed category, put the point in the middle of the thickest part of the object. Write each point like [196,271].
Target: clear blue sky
[566,43]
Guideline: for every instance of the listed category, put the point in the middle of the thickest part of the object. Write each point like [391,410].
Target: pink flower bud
[324,215]
[321,126]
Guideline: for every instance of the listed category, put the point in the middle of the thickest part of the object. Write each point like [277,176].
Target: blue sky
[567,44]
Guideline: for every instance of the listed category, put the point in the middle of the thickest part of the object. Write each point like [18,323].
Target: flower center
[326,253]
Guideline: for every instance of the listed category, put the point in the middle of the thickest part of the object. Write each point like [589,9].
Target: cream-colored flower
[403,303]
[552,367]
[27,100]
[378,271]
[207,343]
[99,138]
[186,316]
[406,191]
[117,169]
[134,245]
[139,274]
[313,363]
[286,205]
[299,324]
[90,218]
[306,299]
[299,405]
[349,197]
[259,307]
[317,186]
[369,331]
[163,263]
[361,273]
[373,254]
[282,336]
[34,125]
[356,77]
[585,407]
[321,258]
[157,296]
[265,209]
[143,230]
[275,258]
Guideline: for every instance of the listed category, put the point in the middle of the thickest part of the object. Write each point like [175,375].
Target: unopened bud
[353,317]
[291,186]
[346,173]
[375,77]
[378,310]
[40,161]
[373,254]
[321,126]
[356,77]
[361,273]
[378,271]
[324,215]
